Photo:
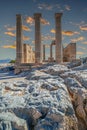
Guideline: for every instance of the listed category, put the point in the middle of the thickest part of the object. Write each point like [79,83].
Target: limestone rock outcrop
[48,99]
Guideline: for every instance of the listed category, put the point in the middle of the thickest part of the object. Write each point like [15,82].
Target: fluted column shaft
[19,46]
[38,47]
[44,53]
[58,36]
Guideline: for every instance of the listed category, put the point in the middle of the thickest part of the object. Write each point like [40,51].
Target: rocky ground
[51,97]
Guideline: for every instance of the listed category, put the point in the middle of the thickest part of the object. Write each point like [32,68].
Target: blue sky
[74,23]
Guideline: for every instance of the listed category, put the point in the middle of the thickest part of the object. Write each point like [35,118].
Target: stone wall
[29,55]
[69,52]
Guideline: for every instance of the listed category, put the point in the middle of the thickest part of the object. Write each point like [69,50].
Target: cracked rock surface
[49,98]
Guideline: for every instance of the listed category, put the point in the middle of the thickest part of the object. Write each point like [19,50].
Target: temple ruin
[25,54]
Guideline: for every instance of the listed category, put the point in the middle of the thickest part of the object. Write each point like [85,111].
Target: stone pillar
[58,36]
[25,53]
[51,51]
[19,46]
[38,47]
[44,52]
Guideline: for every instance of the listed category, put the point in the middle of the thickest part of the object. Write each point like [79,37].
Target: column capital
[58,14]
[37,15]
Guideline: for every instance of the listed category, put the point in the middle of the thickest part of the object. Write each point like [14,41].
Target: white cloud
[45,6]
[67,7]
[30,20]
[69,33]
[25,38]
[10,34]
[11,28]
[44,22]
[81,47]
[81,38]
[66,33]
[85,42]
[9,46]
[83,28]
[80,53]
[26,28]
[47,37]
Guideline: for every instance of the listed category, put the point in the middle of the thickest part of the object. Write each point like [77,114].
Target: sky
[74,23]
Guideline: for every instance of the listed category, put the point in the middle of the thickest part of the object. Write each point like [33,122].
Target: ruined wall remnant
[29,55]
[69,52]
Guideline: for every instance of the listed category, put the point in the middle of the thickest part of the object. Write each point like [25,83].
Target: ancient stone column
[44,52]
[19,46]
[38,47]
[25,47]
[51,51]
[58,36]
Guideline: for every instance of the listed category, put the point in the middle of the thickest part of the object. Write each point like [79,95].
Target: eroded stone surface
[50,98]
